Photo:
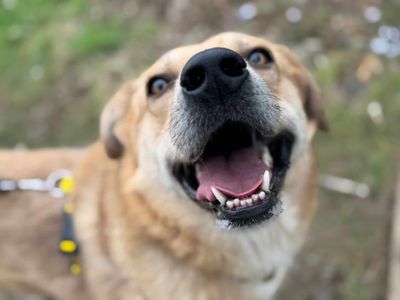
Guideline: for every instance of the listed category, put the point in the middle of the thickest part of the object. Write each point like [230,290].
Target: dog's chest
[264,258]
[184,283]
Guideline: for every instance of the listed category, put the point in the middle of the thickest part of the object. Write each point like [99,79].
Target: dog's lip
[246,212]
[280,146]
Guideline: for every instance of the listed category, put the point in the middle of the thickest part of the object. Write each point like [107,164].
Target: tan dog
[183,196]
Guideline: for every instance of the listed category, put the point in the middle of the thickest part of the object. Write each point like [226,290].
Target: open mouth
[239,174]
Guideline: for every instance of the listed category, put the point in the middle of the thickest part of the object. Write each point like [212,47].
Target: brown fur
[139,239]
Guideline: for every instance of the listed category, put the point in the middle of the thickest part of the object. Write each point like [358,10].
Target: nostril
[193,78]
[232,66]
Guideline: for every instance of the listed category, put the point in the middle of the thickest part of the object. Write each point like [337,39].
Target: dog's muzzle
[224,125]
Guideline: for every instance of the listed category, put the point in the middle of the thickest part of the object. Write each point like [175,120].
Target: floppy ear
[312,101]
[110,122]
[309,90]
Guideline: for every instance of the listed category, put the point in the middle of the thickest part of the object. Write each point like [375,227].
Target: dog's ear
[110,123]
[312,101]
[309,90]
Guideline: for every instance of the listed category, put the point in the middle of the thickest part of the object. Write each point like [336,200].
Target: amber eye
[260,57]
[157,85]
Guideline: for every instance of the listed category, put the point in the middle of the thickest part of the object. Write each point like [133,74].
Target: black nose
[213,73]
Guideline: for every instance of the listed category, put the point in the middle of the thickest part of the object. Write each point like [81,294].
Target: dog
[201,186]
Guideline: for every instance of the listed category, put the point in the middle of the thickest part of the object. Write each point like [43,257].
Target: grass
[50,94]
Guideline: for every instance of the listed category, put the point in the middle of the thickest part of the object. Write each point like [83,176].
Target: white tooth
[220,196]
[266,157]
[261,195]
[236,202]
[249,201]
[254,197]
[267,179]
[229,204]
[242,202]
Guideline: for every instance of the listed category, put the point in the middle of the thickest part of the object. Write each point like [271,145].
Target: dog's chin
[239,174]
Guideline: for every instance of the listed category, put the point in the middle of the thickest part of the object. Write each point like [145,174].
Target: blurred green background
[60,62]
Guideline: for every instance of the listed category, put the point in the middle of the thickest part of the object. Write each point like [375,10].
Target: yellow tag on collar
[67,185]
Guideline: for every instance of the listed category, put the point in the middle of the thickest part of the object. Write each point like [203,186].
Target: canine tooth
[249,201]
[254,197]
[242,202]
[229,204]
[266,157]
[261,195]
[220,196]
[267,179]
[236,202]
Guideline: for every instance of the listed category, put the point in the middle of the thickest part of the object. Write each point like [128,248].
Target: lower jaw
[266,206]
[246,218]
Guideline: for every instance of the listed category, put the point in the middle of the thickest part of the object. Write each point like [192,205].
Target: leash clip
[60,183]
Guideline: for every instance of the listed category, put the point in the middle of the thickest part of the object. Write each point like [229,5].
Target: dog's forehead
[174,60]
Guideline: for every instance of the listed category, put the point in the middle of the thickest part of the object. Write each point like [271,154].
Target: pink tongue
[238,175]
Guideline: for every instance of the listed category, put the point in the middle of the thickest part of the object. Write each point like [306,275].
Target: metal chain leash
[57,184]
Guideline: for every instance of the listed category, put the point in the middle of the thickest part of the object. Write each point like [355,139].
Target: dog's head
[216,124]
